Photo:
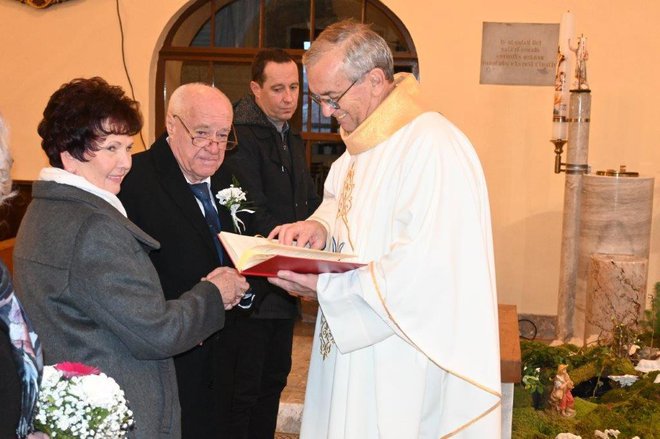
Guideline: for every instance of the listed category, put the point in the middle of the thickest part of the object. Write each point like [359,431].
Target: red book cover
[270,267]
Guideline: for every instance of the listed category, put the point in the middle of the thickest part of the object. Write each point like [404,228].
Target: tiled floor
[293,396]
[294,392]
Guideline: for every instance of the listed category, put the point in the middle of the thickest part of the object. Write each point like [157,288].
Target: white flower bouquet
[234,199]
[77,401]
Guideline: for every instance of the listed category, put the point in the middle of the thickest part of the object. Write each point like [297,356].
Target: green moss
[634,410]
[532,424]
[615,395]
[537,354]
[647,388]
[621,366]
[521,398]
[635,416]
[584,373]
[584,407]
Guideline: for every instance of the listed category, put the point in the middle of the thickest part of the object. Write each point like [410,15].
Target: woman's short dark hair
[81,114]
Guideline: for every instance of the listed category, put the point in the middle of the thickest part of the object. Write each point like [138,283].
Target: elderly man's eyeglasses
[225,141]
[333,103]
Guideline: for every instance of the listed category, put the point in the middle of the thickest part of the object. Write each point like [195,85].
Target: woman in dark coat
[82,268]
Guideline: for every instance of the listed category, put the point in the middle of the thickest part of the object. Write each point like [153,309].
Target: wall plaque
[519,53]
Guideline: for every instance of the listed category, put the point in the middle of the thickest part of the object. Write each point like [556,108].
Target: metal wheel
[527,329]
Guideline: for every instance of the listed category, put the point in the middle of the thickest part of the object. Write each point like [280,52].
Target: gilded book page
[248,251]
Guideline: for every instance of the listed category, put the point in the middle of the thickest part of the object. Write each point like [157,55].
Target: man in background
[407,346]
[169,194]
[270,166]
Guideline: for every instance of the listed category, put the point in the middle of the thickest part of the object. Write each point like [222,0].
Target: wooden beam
[509,344]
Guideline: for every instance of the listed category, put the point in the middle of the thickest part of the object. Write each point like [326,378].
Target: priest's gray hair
[363,49]
[5,164]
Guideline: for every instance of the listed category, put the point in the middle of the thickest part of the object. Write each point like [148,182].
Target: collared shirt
[206,180]
[199,203]
[283,129]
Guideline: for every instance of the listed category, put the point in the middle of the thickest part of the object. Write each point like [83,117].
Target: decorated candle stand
[575,385]
[606,217]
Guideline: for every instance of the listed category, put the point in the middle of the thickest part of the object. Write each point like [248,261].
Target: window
[214,41]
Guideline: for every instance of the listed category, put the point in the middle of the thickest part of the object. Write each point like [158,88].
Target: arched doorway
[214,41]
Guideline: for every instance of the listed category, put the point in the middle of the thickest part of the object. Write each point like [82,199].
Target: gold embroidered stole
[400,107]
[345,204]
[404,103]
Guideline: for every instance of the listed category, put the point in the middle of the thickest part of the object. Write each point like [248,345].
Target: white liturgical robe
[407,346]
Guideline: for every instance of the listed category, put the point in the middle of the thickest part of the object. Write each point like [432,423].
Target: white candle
[567,33]
[567,70]
[559,130]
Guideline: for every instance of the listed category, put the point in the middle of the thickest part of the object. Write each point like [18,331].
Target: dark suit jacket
[158,199]
[280,189]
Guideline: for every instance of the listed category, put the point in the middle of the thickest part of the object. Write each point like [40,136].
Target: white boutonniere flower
[234,199]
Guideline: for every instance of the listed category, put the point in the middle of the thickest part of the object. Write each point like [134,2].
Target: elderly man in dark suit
[169,193]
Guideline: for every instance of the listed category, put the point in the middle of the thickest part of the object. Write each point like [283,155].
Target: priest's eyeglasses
[226,141]
[332,103]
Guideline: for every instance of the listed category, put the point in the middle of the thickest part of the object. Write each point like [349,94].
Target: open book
[256,256]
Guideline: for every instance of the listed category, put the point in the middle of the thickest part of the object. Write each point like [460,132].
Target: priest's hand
[298,285]
[305,233]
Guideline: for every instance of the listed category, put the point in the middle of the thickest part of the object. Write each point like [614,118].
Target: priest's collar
[400,107]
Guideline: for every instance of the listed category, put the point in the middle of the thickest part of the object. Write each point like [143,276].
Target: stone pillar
[615,218]
[576,165]
[616,290]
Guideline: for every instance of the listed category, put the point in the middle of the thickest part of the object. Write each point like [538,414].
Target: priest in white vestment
[407,346]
